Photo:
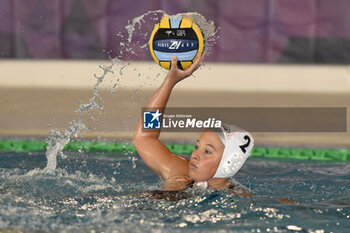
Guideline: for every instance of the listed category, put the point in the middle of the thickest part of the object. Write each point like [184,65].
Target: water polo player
[216,158]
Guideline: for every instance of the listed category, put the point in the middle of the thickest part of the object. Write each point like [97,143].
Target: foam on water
[103,194]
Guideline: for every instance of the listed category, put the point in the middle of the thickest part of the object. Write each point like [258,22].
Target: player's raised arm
[153,152]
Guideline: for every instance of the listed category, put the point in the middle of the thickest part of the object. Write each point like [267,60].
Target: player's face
[205,159]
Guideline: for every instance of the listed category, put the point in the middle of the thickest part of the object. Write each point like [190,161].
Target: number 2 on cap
[244,146]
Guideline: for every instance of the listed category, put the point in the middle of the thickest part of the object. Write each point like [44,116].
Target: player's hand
[175,74]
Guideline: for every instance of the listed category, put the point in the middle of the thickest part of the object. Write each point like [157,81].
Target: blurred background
[253,31]
[268,53]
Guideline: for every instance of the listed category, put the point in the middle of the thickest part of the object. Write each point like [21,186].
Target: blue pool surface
[101,193]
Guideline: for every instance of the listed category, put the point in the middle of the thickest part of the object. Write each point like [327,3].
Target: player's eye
[208,152]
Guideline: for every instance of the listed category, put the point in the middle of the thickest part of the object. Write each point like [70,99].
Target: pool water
[101,192]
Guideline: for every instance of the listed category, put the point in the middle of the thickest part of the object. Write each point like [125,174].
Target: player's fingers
[202,57]
[195,64]
[173,62]
[198,60]
[192,68]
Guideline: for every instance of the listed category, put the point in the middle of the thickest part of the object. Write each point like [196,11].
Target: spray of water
[208,29]
[139,20]
[57,139]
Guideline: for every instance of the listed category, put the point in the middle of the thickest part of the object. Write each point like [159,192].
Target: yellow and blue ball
[179,36]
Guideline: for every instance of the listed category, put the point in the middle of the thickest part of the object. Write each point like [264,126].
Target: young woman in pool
[214,159]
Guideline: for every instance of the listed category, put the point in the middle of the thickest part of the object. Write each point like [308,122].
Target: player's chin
[194,174]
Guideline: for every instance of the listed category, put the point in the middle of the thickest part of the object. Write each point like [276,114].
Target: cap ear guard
[222,137]
[238,147]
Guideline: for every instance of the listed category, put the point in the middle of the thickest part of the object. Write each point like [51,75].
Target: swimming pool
[100,192]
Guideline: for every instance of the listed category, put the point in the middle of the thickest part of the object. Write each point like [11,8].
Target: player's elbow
[138,141]
[135,140]
[137,136]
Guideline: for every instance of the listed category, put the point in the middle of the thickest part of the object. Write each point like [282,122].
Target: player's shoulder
[171,165]
[177,182]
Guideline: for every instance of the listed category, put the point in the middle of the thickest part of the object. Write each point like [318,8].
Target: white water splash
[58,139]
[138,20]
[208,29]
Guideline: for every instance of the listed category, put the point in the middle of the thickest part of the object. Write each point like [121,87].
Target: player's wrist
[170,80]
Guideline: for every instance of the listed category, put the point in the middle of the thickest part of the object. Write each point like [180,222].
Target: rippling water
[101,192]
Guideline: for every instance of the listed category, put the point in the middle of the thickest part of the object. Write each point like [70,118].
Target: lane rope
[183,149]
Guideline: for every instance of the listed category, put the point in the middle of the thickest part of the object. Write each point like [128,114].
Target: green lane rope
[128,148]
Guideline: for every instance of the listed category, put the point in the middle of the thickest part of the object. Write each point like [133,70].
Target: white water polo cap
[238,146]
